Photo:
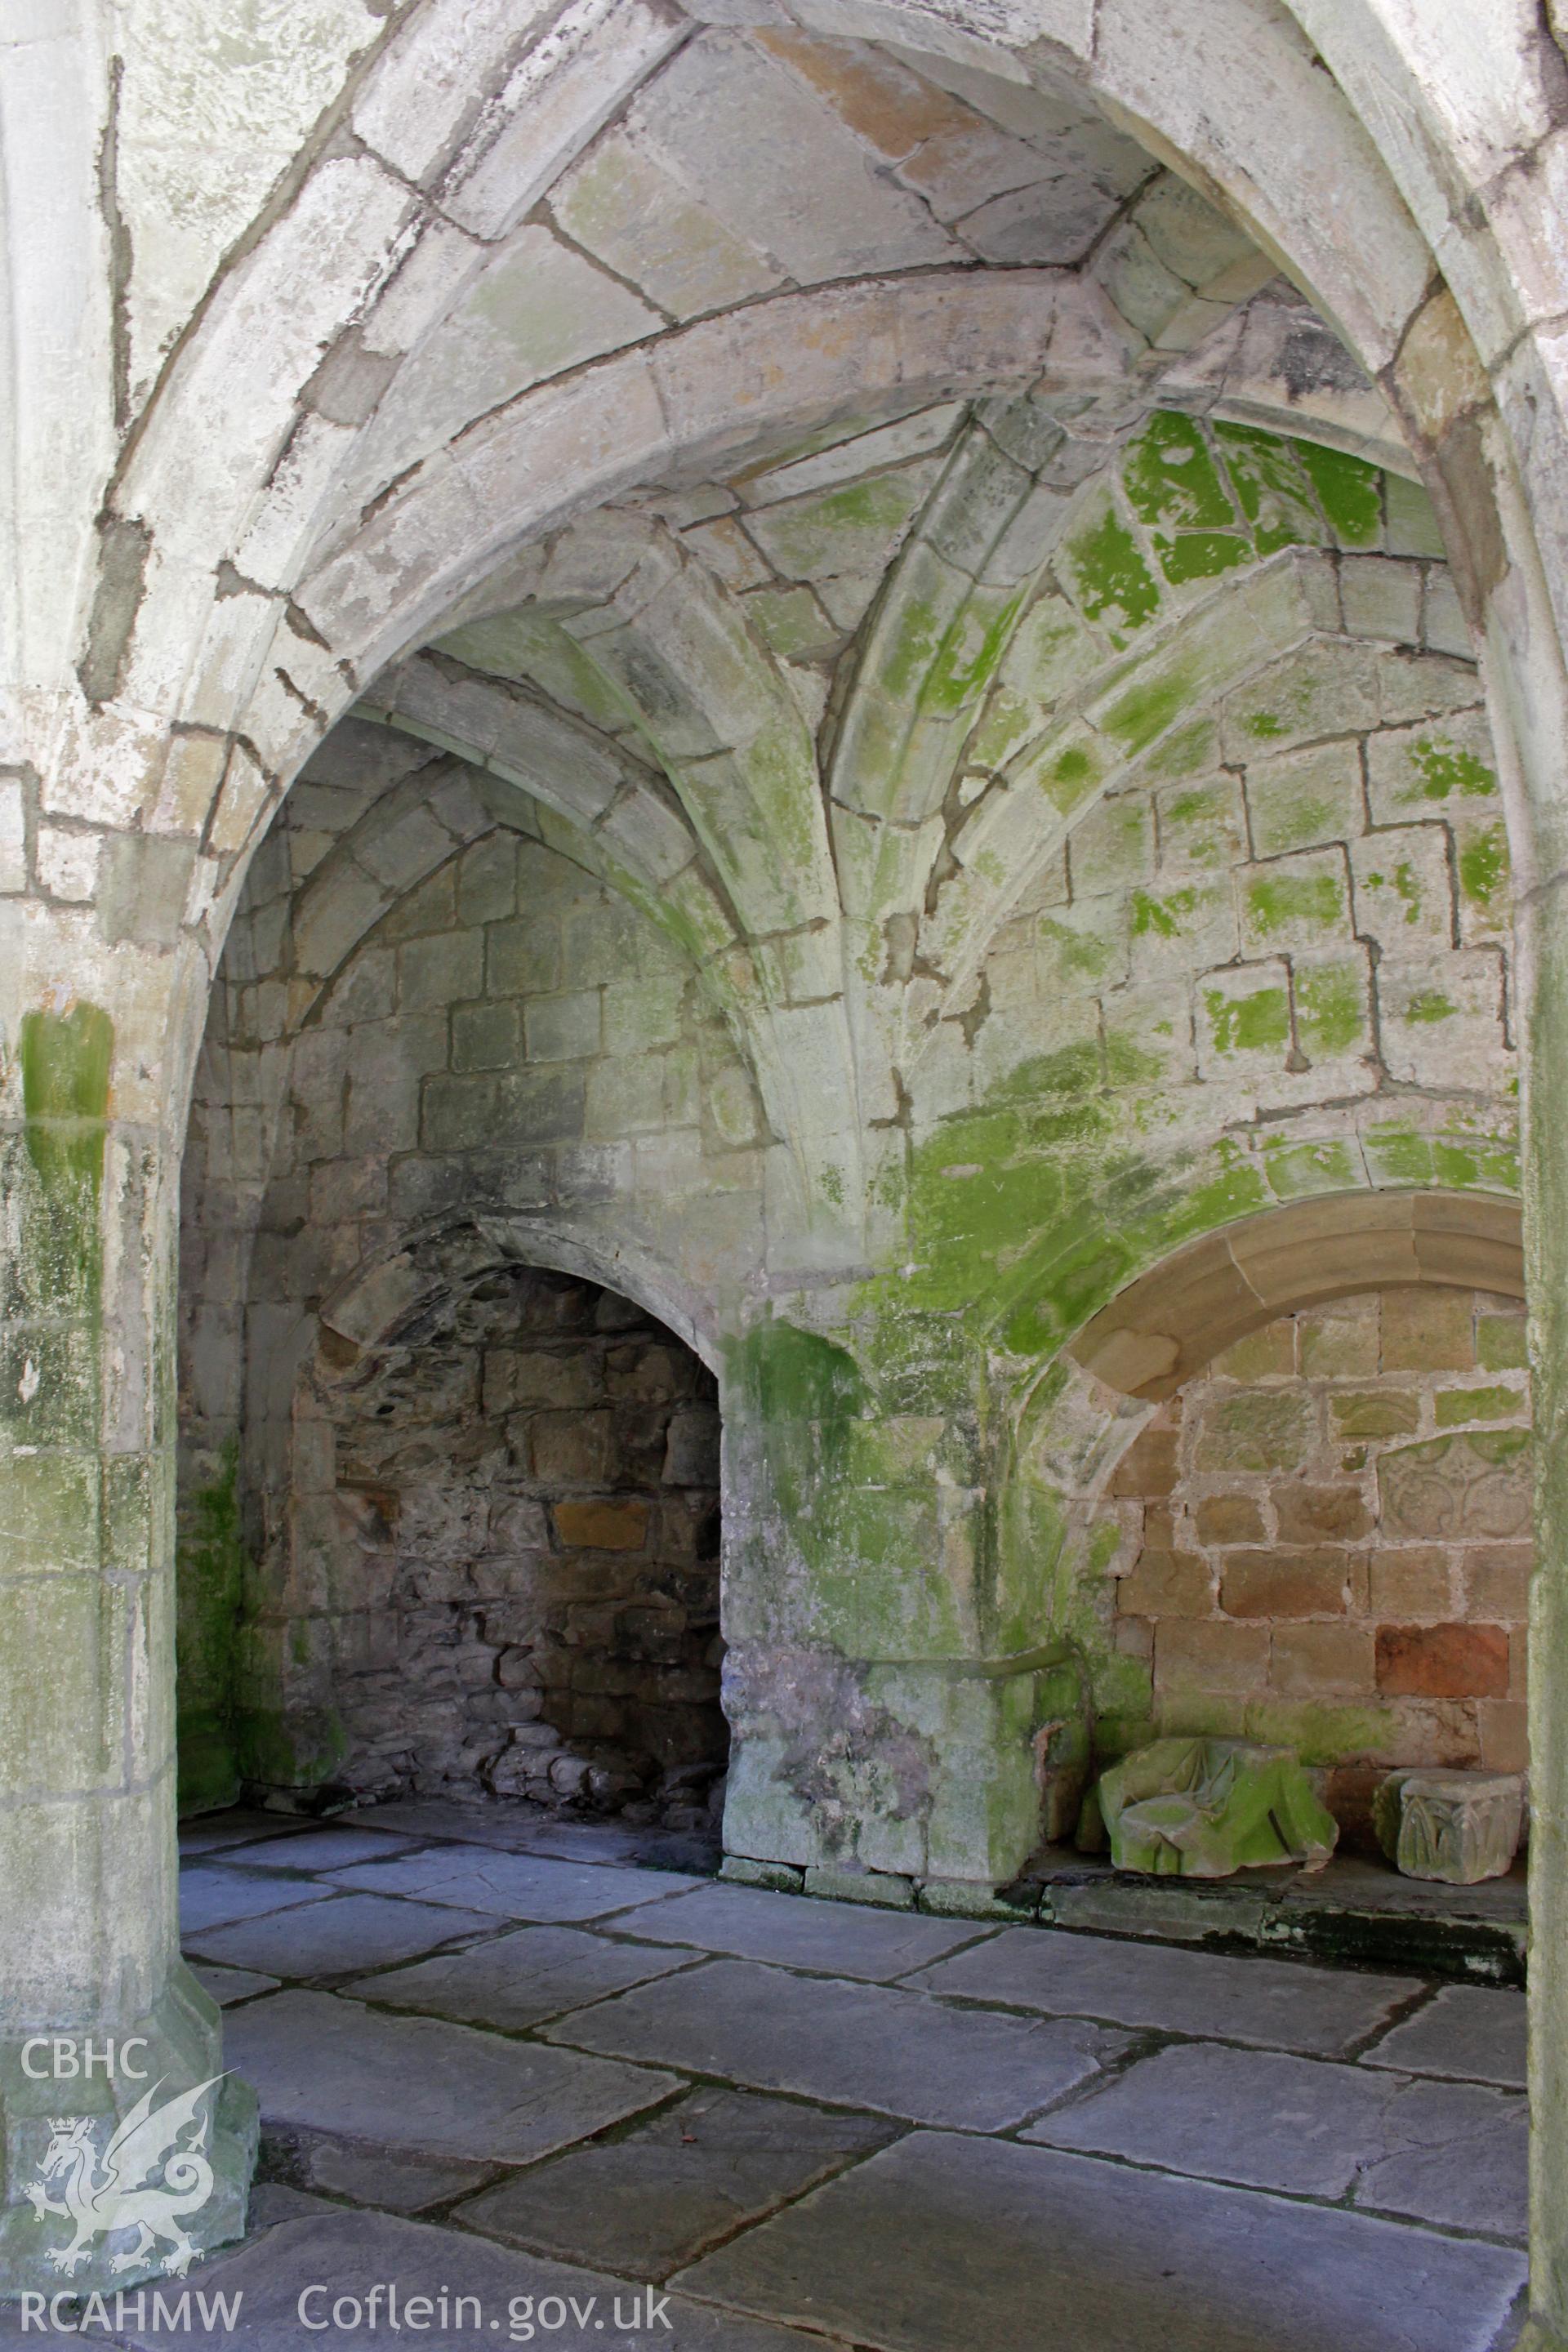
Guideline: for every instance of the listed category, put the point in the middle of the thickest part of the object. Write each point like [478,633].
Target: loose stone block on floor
[1452,2153]
[1084,2256]
[691,2176]
[875,2046]
[327,1939]
[841,1939]
[346,2256]
[1284,2004]
[520,1885]
[420,2082]
[1466,2032]
[518,1980]
[211,1898]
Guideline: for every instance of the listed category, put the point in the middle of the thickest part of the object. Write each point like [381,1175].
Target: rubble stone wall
[524,1580]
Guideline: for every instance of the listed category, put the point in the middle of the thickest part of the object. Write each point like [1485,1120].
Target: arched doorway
[521,1592]
[1327,1520]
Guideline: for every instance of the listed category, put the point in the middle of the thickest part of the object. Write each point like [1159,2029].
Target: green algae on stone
[1161,917]
[289,1750]
[1270,486]
[1249,1025]
[1201,555]
[1147,707]
[1457,1405]
[1350,492]
[1331,1006]
[849,529]
[65,1064]
[1297,1170]
[1170,477]
[1501,1343]
[1483,865]
[1183,751]
[1446,772]
[1112,581]
[211,1563]
[1281,902]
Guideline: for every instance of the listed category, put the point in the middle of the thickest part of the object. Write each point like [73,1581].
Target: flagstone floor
[512,2063]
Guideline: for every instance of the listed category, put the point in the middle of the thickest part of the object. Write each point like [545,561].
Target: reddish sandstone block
[1443,1661]
[1497,1580]
[1411,1581]
[1149,1466]
[1279,1583]
[1505,1735]
[1160,1527]
[1167,1584]
[1518,1662]
[1313,1515]
[601,1526]
[1206,1654]
[1428,1329]
[1228,1519]
[1310,1661]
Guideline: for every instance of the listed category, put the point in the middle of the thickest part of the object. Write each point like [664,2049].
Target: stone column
[884,1692]
[90,1976]
[1545,961]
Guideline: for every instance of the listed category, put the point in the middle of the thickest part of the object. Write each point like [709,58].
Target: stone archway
[1200,1300]
[1324,1525]
[502,1572]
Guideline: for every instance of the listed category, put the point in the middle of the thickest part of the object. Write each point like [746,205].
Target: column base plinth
[112,2179]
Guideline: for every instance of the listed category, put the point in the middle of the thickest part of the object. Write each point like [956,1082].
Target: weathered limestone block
[1460,1827]
[1205,1808]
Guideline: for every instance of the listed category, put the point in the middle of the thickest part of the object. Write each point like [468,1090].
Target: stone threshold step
[1360,1913]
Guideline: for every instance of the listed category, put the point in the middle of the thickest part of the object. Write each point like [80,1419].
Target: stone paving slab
[1466,2032]
[677,2184]
[226,1985]
[1068,2253]
[272,2201]
[350,2253]
[422,2084]
[328,1939]
[1251,2116]
[211,1897]
[899,2053]
[520,1885]
[370,2175]
[515,1825]
[513,1828]
[1281,2004]
[1442,2152]
[330,1849]
[1351,1882]
[841,1939]
[1475,2175]
[517,1981]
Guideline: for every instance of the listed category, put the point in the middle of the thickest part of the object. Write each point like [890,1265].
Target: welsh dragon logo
[118,2189]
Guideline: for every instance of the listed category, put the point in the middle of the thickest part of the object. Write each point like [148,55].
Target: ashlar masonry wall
[493,1522]
[1333,1540]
